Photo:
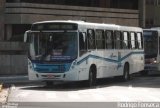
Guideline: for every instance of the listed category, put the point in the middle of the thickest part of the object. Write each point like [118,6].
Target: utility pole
[2,13]
[142,13]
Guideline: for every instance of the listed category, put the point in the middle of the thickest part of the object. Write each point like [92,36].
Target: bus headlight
[34,66]
[74,63]
[155,61]
[30,64]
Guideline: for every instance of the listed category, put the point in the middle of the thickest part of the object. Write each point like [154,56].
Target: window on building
[152,2]
[148,2]
[18,31]
[124,4]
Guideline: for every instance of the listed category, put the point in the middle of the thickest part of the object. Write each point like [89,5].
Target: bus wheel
[92,77]
[126,75]
[49,84]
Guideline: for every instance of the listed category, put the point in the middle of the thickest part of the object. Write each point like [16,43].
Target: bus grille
[50,68]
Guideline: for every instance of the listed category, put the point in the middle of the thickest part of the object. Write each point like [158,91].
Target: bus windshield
[53,46]
[150,44]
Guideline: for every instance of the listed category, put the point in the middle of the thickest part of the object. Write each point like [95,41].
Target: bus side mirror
[26,36]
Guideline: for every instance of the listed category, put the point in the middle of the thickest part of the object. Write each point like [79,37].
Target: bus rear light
[155,61]
[151,61]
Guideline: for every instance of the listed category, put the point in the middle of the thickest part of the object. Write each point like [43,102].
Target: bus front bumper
[66,76]
[152,67]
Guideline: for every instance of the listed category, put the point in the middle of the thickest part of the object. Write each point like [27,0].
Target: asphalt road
[138,89]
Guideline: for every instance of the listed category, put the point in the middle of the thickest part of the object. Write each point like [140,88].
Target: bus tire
[126,75]
[92,77]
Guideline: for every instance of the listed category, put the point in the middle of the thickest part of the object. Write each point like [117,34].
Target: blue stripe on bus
[51,68]
[60,68]
[108,59]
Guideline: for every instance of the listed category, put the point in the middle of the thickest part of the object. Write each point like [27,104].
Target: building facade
[16,16]
[2,16]
[20,14]
[152,13]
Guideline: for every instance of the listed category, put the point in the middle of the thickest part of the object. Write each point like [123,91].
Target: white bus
[83,51]
[151,49]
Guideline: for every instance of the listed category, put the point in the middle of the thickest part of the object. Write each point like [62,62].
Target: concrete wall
[13,58]
[13,64]
[142,13]
[2,10]
[27,13]
[152,13]
[157,16]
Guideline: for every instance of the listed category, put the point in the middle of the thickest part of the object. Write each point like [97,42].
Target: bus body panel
[105,68]
[108,62]
[152,63]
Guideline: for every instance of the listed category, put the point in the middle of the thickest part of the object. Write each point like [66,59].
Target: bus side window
[133,45]
[118,39]
[100,39]
[125,42]
[159,44]
[109,39]
[139,40]
[129,41]
[82,43]
[142,41]
[136,41]
[91,39]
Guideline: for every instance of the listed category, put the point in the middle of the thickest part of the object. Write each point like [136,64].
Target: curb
[13,79]
[4,96]
[1,87]
[7,81]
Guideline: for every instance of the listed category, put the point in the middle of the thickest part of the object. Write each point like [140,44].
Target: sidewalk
[1,86]
[4,95]
[14,79]
[8,81]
